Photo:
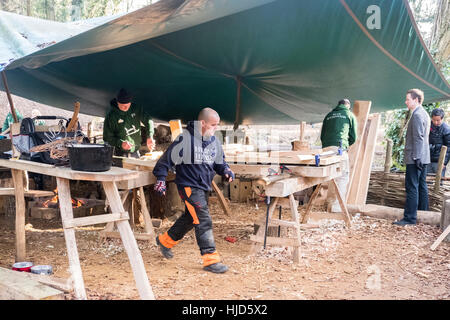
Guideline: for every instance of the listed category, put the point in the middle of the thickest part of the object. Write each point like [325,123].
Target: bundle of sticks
[58,148]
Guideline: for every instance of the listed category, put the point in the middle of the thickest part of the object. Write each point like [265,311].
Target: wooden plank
[144,178]
[252,170]
[258,171]
[20,215]
[296,219]
[114,174]
[361,110]
[16,285]
[27,194]
[340,198]
[65,206]
[284,223]
[87,221]
[137,236]
[130,244]
[305,217]
[285,187]
[51,281]
[148,225]
[234,190]
[285,157]
[357,193]
[245,190]
[222,200]
[283,242]
[440,238]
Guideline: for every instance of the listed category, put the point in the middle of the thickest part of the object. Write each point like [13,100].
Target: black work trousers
[196,216]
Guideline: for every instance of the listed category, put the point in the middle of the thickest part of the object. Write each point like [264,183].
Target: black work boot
[216,268]
[166,252]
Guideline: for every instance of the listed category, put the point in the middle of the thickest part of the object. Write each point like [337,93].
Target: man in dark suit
[417,156]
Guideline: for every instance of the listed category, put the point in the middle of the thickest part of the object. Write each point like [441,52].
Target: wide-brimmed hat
[124,96]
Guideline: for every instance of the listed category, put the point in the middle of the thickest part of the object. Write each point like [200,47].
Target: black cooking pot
[90,157]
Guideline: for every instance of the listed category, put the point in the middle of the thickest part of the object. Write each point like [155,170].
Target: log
[382,212]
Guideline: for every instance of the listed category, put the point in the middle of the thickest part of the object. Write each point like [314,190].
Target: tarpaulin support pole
[238,103]
[8,94]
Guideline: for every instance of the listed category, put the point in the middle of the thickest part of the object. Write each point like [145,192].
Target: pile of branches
[389,189]
[58,148]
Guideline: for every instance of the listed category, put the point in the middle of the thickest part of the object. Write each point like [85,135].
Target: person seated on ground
[439,136]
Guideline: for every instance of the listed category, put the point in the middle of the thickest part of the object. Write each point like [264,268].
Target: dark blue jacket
[194,159]
[439,136]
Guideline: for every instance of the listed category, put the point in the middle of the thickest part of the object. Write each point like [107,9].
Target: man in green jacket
[125,124]
[339,129]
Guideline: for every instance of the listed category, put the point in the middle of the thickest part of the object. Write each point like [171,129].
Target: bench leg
[130,244]
[65,205]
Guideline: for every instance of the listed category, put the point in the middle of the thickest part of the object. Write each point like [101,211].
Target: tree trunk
[29,8]
[440,37]
[77,12]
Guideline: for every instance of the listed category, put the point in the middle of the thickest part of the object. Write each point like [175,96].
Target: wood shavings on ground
[372,260]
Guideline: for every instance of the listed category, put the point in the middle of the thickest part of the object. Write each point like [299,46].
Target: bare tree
[440,37]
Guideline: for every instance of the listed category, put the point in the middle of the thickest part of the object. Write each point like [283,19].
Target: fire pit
[49,208]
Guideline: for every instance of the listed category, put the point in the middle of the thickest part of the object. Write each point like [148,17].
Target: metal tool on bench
[339,152]
[283,168]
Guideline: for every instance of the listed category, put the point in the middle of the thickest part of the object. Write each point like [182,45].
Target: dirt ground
[372,260]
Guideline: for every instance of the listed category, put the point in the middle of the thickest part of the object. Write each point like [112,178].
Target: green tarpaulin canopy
[254,61]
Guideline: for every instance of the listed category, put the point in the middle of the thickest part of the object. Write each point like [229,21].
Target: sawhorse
[119,216]
[286,188]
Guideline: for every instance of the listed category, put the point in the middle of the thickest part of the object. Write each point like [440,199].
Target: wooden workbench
[63,176]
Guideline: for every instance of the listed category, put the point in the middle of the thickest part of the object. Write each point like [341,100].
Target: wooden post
[361,110]
[20,214]
[302,130]
[8,94]
[437,182]
[388,159]
[387,167]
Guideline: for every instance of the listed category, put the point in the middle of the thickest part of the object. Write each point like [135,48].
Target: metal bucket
[90,157]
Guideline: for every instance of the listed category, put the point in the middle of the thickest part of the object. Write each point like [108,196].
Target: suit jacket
[416,144]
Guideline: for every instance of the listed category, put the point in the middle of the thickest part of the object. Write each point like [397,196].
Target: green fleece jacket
[339,124]
[128,126]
